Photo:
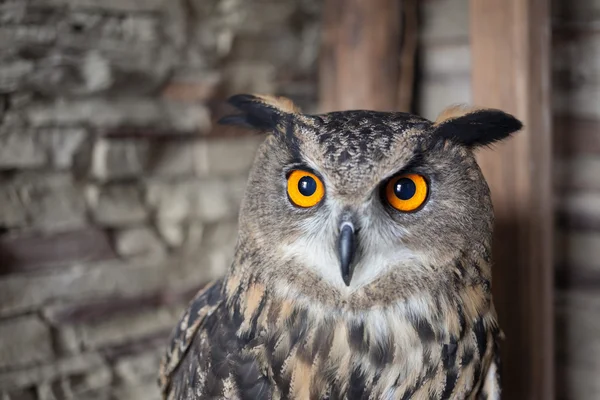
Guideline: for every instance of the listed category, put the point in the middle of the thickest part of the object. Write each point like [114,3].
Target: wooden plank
[359,55]
[511,66]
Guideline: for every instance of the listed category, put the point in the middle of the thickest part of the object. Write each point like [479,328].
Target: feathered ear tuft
[260,111]
[474,127]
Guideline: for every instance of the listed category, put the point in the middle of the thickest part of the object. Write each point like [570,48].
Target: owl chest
[346,363]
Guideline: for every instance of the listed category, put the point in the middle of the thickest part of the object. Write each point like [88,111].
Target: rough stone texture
[116,205]
[118,197]
[25,340]
[139,243]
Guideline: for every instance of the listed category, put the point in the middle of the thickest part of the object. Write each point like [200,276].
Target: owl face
[350,199]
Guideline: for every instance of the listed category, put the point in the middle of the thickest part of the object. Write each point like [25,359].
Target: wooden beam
[359,63]
[510,42]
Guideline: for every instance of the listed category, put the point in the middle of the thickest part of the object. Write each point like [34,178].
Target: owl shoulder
[204,304]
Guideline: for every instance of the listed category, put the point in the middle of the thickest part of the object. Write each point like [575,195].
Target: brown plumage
[414,319]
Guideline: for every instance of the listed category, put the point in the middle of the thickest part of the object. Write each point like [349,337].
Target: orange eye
[406,192]
[304,189]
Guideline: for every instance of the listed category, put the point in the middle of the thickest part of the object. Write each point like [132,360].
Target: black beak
[346,249]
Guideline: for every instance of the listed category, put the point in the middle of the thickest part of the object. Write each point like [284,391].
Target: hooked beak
[346,247]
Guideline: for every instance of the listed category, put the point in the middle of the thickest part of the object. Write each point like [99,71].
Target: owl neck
[441,307]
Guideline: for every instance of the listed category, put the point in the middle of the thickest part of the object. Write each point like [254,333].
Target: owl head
[364,205]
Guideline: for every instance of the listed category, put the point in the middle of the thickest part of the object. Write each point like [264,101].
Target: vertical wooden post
[510,42]
[359,63]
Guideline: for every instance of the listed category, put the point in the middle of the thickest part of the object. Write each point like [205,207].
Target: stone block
[13,213]
[172,202]
[110,5]
[13,73]
[25,340]
[28,148]
[52,201]
[21,149]
[114,159]
[171,158]
[207,200]
[81,385]
[139,368]
[23,292]
[63,145]
[225,157]
[139,242]
[25,252]
[137,392]
[19,394]
[116,205]
[122,112]
[119,329]
[171,232]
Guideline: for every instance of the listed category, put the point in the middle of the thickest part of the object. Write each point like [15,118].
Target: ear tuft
[454,111]
[474,127]
[260,111]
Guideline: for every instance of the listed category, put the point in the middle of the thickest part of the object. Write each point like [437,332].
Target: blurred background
[119,194]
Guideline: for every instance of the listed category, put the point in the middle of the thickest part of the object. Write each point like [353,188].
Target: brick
[21,149]
[63,145]
[13,73]
[13,212]
[121,328]
[28,148]
[171,158]
[137,392]
[171,202]
[89,382]
[52,201]
[24,394]
[206,200]
[226,157]
[114,159]
[25,340]
[171,232]
[121,112]
[139,368]
[19,293]
[110,5]
[116,205]
[33,251]
[139,242]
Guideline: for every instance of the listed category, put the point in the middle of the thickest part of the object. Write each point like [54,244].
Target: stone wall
[118,195]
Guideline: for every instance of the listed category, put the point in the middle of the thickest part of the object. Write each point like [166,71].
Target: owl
[362,265]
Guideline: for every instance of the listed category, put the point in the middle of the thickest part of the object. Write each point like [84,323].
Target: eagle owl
[362,265]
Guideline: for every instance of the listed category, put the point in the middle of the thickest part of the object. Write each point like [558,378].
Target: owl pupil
[307,186]
[405,189]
